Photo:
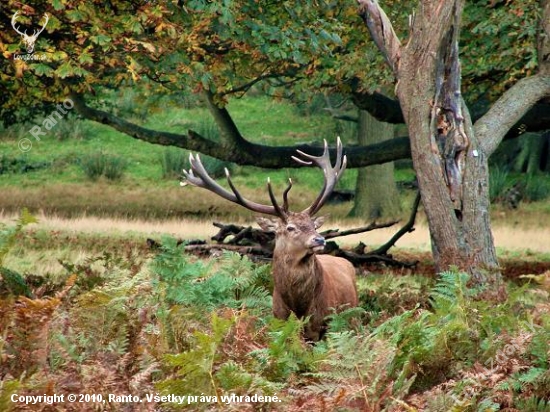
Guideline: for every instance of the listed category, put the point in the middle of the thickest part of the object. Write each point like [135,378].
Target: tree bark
[450,154]
[385,109]
[376,193]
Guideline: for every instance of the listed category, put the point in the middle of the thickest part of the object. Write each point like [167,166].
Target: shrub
[20,164]
[100,164]
[536,187]
[114,167]
[173,161]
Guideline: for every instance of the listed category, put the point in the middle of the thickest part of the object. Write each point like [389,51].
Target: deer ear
[318,221]
[267,224]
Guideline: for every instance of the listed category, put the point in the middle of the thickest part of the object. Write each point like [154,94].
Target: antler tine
[331,174]
[198,176]
[285,195]
[273,200]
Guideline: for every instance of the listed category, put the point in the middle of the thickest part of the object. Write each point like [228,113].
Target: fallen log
[258,245]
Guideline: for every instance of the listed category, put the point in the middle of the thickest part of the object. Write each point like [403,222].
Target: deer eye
[291,228]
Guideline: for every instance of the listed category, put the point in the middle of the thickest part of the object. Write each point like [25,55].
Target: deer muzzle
[317,244]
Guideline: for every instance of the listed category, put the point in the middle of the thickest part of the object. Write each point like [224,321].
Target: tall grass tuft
[172,162]
[115,166]
[498,183]
[95,165]
[71,128]
[208,129]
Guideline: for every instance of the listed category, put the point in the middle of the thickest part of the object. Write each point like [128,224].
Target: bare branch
[381,30]
[407,228]
[332,233]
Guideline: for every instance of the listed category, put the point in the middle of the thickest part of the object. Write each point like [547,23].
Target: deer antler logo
[28,40]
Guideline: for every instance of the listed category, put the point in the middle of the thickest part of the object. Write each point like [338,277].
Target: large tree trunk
[450,159]
[451,167]
[376,193]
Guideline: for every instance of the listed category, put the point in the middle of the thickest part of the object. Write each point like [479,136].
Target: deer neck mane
[297,279]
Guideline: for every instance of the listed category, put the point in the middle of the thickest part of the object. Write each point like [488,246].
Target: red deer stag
[304,283]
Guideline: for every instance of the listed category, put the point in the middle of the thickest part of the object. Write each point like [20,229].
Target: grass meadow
[86,307]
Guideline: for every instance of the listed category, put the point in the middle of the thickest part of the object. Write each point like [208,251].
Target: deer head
[29,40]
[295,232]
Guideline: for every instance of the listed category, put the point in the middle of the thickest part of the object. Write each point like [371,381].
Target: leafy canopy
[226,46]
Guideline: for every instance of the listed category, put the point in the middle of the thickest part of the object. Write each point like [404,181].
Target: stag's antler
[198,176]
[332,174]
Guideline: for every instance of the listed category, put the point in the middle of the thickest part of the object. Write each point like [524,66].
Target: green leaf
[85,58]
[65,70]
[42,69]
[100,39]
[58,5]
[75,15]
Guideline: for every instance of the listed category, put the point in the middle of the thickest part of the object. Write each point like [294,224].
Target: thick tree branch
[335,114]
[388,110]
[341,116]
[381,31]
[509,109]
[230,134]
[242,151]
[381,107]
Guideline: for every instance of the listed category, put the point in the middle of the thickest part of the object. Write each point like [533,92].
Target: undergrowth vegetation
[167,323]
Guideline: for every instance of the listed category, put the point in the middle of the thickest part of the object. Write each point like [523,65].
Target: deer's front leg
[280,309]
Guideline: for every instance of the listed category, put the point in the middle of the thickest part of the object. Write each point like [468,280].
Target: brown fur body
[305,283]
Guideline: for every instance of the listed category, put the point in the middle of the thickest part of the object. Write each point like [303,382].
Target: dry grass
[165,202]
[510,238]
[102,199]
